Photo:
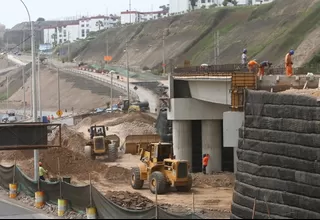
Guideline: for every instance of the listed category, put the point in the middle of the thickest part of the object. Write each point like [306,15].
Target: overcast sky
[13,12]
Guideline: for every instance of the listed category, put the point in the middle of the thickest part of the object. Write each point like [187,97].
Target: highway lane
[10,210]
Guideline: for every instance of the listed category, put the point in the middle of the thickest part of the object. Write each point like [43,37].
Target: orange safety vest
[205,160]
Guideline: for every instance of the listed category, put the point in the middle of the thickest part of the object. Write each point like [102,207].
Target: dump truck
[134,142]
[136,106]
[162,171]
[101,144]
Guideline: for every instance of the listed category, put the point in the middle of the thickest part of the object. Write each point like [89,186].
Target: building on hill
[78,29]
[183,6]
[128,17]
[259,2]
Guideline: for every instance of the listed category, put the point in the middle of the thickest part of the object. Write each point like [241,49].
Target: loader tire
[112,152]
[187,187]
[158,183]
[136,182]
[88,152]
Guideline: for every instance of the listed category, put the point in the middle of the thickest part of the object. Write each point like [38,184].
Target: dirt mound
[71,139]
[215,180]
[116,174]
[309,92]
[16,154]
[131,117]
[133,201]
[86,122]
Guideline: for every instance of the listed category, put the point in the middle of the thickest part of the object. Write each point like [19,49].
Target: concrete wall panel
[192,109]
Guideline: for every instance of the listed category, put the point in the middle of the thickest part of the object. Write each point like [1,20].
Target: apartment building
[128,17]
[78,29]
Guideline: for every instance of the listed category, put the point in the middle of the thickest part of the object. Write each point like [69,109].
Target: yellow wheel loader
[160,170]
[100,144]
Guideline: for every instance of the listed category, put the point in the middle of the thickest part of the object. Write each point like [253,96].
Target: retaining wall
[279,157]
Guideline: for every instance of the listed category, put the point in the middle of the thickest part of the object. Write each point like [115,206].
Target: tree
[193,3]
[234,2]
[250,2]
[40,19]
[99,24]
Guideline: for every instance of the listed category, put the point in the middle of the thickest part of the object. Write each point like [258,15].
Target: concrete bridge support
[212,144]
[182,140]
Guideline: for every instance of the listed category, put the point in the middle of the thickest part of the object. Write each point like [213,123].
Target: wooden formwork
[240,82]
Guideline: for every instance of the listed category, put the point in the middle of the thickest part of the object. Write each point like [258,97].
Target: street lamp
[34,102]
[111,90]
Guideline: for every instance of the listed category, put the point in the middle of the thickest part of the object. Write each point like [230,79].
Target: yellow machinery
[161,170]
[100,144]
[133,142]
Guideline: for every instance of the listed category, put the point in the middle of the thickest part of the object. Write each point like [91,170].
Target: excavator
[161,169]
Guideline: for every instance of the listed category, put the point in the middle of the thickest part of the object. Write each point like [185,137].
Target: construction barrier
[13,190]
[91,213]
[39,199]
[78,198]
[62,207]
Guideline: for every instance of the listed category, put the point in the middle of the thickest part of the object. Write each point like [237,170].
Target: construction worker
[288,63]
[263,64]
[252,65]
[42,171]
[205,161]
[244,57]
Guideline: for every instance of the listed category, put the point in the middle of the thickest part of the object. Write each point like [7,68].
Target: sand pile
[133,201]
[309,92]
[131,117]
[215,180]
[116,174]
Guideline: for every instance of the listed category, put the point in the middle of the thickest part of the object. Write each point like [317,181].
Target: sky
[13,12]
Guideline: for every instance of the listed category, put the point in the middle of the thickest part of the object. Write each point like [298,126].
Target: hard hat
[40,164]
[291,52]
[244,50]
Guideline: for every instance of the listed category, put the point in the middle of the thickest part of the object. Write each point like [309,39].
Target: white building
[258,2]
[128,17]
[78,29]
[183,6]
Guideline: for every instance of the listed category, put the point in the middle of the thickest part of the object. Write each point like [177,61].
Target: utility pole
[111,92]
[69,55]
[130,10]
[128,89]
[163,54]
[39,87]
[59,107]
[23,42]
[7,92]
[24,93]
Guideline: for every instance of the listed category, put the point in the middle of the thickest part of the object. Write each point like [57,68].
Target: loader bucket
[132,142]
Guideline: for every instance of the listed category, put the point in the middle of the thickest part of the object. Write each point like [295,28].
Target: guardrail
[102,79]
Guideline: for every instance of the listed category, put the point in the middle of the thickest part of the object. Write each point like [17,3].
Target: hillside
[267,31]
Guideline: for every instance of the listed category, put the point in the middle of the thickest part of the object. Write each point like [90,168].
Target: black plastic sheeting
[79,198]
[279,158]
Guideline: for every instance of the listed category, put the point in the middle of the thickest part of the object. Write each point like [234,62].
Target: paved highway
[10,210]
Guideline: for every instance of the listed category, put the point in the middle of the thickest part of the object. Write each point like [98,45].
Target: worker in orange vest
[253,65]
[205,161]
[262,65]
[288,63]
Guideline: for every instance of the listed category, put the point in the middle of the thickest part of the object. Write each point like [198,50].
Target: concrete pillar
[211,144]
[182,140]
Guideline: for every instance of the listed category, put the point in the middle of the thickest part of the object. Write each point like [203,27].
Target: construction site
[260,131]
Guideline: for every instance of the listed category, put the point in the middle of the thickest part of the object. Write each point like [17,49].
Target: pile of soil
[309,92]
[215,180]
[133,201]
[118,174]
[131,117]
[71,139]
